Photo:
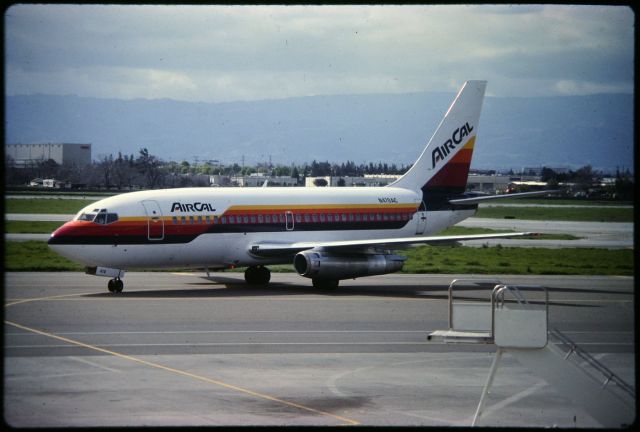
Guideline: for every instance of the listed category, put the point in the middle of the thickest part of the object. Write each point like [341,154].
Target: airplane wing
[273,249]
[485,198]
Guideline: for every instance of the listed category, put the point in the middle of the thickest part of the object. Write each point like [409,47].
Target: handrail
[608,374]
[497,296]
[466,280]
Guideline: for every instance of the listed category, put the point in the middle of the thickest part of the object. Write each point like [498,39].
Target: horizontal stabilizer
[485,198]
[266,250]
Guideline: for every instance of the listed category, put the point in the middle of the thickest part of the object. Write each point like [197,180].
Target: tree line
[148,171]
[588,182]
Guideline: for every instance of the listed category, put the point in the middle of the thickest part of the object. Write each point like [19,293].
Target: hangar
[25,155]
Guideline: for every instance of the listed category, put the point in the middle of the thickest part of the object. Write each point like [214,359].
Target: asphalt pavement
[182,349]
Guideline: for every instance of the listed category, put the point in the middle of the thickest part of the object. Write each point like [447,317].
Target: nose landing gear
[115,285]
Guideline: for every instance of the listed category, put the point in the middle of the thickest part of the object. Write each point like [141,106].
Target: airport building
[491,184]
[25,155]
[253,180]
[367,180]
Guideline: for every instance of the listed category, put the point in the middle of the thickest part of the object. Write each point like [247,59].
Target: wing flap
[267,249]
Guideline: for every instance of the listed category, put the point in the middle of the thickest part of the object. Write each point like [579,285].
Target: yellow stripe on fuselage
[409,206]
[284,207]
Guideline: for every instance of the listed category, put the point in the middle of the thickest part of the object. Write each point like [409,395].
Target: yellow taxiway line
[175,371]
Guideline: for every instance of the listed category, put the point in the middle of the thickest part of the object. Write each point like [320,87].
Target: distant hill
[514,132]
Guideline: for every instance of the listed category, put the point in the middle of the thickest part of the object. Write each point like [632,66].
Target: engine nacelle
[322,265]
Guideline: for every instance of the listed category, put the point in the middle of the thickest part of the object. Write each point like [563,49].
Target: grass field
[563,201]
[500,260]
[36,256]
[45,205]
[30,227]
[583,214]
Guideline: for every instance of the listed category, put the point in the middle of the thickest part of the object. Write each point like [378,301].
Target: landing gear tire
[325,284]
[115,285]
[258,275]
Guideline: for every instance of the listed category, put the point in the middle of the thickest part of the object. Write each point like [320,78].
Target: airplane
[328,234]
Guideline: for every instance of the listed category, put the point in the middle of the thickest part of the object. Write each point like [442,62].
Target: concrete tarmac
[611,235]
[182,349]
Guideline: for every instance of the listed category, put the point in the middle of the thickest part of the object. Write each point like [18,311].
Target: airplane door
[155,224]
[421,215]
[289,220]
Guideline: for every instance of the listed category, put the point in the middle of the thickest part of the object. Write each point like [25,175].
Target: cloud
[217,53]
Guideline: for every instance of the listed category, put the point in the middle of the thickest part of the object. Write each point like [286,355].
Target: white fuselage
[216,227]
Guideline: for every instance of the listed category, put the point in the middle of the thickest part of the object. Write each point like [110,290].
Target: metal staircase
[520,327]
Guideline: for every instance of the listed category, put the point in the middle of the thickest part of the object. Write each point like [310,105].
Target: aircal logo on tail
[441,152]
[197,206]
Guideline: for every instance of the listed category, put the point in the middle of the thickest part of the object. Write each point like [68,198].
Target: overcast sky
[227,53]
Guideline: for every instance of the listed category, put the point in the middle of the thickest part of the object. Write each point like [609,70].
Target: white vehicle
[328,234]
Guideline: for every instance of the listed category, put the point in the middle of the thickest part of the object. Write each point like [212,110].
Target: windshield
[99,216]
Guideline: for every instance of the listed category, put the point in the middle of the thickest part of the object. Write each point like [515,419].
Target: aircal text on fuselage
[191,207]
[442,151]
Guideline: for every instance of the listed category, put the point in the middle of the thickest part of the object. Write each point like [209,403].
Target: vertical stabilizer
[443,166]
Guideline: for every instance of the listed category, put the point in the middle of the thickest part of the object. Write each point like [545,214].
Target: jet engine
[322,265]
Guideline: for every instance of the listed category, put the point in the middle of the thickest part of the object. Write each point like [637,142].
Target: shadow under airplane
[229,286]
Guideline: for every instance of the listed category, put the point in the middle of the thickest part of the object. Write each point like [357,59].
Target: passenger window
[267,218]
[191,221]
[199,219]
[183,219]
[245,219]
[323,217]
[306,218]
[260,218]
[314,217]
[175,220]
[223,219]
[298,218]
[253,219]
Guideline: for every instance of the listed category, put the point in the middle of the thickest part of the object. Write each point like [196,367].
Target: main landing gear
[115,285]
[257,275]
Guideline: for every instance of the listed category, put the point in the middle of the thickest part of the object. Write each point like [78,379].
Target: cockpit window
[89,217]
[99,216]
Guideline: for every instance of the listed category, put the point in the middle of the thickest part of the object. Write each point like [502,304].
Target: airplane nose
[71,233]
[58,236]
[67,241]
